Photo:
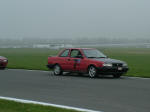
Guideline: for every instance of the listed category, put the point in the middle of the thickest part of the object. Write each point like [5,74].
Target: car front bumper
[3,64]
[112,70]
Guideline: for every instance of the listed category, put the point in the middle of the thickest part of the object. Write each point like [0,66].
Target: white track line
[47,104]
[29,70]
[137,78]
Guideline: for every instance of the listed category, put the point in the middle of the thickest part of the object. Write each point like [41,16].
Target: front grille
[117,64]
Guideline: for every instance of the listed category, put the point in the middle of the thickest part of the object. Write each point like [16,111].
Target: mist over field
[74,21]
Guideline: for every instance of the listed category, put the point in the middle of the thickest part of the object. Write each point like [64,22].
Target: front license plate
[119,68]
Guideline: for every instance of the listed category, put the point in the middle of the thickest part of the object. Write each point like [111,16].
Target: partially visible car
[86,60]
[3,62]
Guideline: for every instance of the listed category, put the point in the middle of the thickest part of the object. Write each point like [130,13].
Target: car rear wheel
[92,72]
[57,70]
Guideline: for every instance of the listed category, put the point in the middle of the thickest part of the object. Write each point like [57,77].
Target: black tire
[116,75]
[92,71]
[57,70]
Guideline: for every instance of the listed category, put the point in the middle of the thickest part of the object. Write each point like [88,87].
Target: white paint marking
[29,70]
[36,71]
[137,78]
[47,104]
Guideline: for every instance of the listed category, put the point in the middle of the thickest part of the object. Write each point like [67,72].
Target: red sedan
[3,62]
[86,60]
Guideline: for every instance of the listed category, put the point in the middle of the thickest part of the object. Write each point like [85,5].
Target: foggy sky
[74,18]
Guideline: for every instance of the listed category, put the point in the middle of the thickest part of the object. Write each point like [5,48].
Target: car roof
[80,48]
[1,57]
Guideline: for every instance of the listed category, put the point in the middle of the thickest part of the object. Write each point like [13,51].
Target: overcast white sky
[74,18]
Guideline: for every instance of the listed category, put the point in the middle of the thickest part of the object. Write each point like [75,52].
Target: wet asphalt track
[105,94]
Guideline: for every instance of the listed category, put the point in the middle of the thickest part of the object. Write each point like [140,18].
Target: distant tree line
[82,40]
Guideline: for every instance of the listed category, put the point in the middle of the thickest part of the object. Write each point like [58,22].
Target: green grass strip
[11,106]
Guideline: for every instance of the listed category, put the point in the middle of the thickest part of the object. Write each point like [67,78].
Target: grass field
[11,106]
[138,59]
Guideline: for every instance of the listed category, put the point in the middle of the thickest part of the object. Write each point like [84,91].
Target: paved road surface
[104,94]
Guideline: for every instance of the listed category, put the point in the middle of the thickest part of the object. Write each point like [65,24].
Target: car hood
[108,60]
[1,57]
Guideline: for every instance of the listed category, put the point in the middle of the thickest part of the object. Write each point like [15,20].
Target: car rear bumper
[112,70]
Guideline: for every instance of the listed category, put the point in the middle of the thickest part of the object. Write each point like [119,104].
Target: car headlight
[5,60]
[107,64]
[125,64]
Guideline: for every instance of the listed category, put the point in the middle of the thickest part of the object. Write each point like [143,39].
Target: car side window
[75,53]
[65,53]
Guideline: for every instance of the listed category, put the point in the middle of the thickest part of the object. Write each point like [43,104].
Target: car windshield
[93,53]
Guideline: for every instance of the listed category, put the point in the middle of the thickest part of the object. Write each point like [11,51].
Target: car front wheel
[57,70]
[92,72]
